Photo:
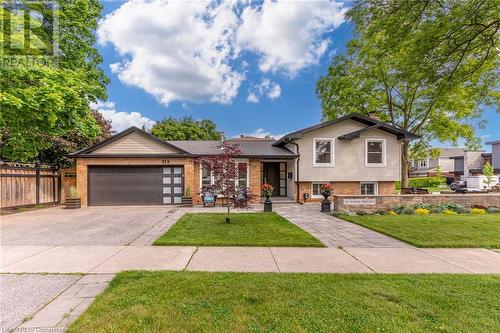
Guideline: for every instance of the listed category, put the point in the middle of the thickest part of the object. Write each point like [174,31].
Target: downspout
[297,171]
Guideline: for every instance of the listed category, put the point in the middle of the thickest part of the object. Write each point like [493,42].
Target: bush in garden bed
[423,182]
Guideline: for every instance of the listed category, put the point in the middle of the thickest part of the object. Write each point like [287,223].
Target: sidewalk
[113,259]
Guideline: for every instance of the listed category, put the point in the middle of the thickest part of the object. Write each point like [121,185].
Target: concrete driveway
[136,225]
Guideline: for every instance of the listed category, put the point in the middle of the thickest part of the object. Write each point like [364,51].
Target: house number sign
[361,201]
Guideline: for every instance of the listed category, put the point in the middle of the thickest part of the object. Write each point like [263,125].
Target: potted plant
[187,199]
[268,191]
[73,201]
[326,192]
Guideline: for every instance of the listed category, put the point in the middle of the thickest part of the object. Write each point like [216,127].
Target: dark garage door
[137,185]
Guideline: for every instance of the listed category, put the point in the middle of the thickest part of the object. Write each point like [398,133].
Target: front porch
[280,174]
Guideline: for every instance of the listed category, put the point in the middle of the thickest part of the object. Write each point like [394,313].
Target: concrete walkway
[46,303]
[113,259]
[333,231]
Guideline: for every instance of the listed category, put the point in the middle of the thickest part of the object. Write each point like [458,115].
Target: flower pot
[326,206]
[268,206]
[187,201]
[73,203]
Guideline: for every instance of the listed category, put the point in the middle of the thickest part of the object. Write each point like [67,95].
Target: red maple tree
[225,170]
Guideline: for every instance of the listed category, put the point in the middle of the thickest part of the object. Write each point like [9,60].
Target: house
[473,161]
[429,166]
[355,153]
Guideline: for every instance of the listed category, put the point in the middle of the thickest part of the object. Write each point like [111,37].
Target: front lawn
[245,229]
[275,302]
[436,230]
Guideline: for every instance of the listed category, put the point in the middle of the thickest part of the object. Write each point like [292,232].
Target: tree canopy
[185,129]
[429,67]
[39,105]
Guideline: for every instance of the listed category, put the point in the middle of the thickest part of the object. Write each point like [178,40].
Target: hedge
[423,182]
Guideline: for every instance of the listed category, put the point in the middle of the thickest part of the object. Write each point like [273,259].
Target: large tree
[185,129]
[39,105]
[73,141]
[429,67]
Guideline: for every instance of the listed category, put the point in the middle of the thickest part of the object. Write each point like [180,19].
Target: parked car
[459,186]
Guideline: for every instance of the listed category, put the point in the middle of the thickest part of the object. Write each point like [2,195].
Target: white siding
[135,143]
[495,155]
[349,155]
[447,164]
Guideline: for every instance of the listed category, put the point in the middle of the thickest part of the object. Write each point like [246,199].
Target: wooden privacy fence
[28,184]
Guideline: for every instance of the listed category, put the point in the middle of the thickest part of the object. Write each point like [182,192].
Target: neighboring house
[356,154]
[429,166]
[473,161]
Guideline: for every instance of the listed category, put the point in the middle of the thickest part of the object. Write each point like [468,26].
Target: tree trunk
[404,163]
[228,218]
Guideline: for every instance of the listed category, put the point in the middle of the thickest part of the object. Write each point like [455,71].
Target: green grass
[275,302]
[245,229]
[436,230]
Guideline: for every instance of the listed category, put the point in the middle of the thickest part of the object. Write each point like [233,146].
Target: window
[242,174]
[375,152]
[316,190]
[369,188]
[422,164]
[323,152]
[206,177]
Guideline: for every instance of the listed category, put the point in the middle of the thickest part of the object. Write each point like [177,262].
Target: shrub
[477,211]
[454,207]
[449,212]
[493,210]
[422,211]
[423,205]
[423,182]
[391,212]
[399,209]
[437,210]
[408,210]
[381,212]
[340,213]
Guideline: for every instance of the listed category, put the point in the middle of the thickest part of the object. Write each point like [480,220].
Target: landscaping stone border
[373,203]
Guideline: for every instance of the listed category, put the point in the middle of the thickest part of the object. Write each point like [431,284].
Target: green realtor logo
[29,38]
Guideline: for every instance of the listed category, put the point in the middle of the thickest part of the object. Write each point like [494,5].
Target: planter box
[73,203]
[187,201]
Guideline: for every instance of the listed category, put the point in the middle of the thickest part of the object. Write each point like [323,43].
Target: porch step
[280,201]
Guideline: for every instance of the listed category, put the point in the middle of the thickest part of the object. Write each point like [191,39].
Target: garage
[135,185]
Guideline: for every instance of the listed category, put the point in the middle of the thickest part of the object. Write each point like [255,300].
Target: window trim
[312,189]
[419,165]
[383,164]
[375,187]
[332,154]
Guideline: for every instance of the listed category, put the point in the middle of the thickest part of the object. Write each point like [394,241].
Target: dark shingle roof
[249,148]
[353,116]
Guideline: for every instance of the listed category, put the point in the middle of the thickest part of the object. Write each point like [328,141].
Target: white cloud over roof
[189,50]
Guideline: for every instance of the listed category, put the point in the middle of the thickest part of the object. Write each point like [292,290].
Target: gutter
[297,152]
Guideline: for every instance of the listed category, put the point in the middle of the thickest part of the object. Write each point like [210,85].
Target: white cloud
[288,34]
[192,50]
[265,87]
[122,120]
[252,98]
[175,50]
[261,133]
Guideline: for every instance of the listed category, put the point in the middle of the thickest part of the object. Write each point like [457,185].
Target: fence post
[59,183]
[37,181]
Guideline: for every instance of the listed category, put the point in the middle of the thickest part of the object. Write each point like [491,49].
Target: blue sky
[261,79]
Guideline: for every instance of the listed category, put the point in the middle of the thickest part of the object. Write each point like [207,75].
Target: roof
[451,152]
[261,148]
[370,122]
[120,135]
[493,142]
[249,148]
